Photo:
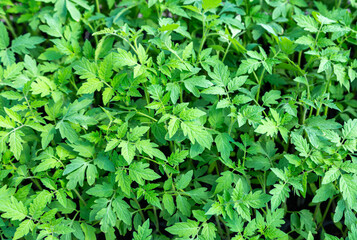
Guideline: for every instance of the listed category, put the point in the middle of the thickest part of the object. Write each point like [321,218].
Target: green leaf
[174,125]
[7,57]
[223,145]
[209,231]
[139,172]
[13,209]
[248,66]
[144,232]
[90,86]
[73,11]
[191,114]
[124,182]
[23,43]
[13,115]
[91,174]
[47,135]
[349,130]
[15,142]
[183,205]
[113,143]
[215,90]
[301,145]
[168,202]
[271,97]
[67,131]
[105,70]
[101,190]
[121,208]
[169,27]
[184,229]
[89,231]
[325,192]
[127,150]
[126,58]
[348,188]
[54,27]
[280,192]
[137,133]
[267,127]
[197,134]
[4,40]
[85,69]
[331,175]
[151,3]
[39,203]
[24,228]
[210,4]
[185,179]
[306,22]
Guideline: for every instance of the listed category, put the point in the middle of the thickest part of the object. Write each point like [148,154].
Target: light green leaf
[174,125]
[191,114]
[349,130]
[23,43]
[67,131]
[270,97]
[139,172]
[150,149]
[13,115]
[197,134]
[306,22]
[85,69]
[15,142]
[348,188]
[184,229]
[280,192]
[4,40]
[73,11]
[168,202]
[185,179]
[39,203]
[126,58]
[144,232]
[325,192]
[331,175]
[210,4]
[24,228]
[13,209]
[223,145]
[267,127]
[90,86]
[121,208]
[300,144]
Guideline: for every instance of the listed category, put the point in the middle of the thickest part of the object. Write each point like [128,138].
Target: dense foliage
[178,119]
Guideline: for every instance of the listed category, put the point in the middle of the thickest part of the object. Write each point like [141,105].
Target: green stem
[225,227]
[97,4]
[327,90]
[231,125]
[203,33]
[299,59]
[225,53]
[325,213]
[35,181]
[9,25]
[219,227]
[156,220]
[259,85]
[145,115]
[80,197]
[137,202]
